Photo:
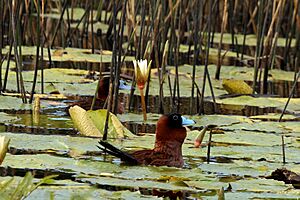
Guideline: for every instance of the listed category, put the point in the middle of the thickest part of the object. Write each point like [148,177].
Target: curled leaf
[83,122]
[92,122]
[3,147]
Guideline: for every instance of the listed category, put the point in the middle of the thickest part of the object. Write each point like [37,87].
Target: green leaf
[92,123]
[83,122]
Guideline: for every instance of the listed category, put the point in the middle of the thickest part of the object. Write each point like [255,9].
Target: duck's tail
[112,150]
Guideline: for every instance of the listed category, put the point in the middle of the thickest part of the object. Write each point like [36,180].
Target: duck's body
[102,94]
[163,154]
[167,151]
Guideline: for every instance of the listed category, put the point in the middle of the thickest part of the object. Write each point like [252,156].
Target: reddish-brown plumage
[102,94]
[167,151]
[167,148]
[103,88]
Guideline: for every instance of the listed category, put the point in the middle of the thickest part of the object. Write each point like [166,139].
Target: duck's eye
[175,117]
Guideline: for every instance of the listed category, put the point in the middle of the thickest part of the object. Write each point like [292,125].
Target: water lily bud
[141,70]
[200,136]
[197,143]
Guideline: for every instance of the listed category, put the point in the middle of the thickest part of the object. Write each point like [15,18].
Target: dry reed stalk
[223,27]
[38,46]
[60,21]
[119,57]
[262,21]
[268,45]
[111,80]
[206,72]
[196,19]
[16,35]
[290,36]
[130,20]
[252,16]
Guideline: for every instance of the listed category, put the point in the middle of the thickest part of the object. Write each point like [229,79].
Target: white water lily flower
[141,70]
[3,147]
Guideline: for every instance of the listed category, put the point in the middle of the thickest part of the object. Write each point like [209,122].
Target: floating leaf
[262,102]
[275,117]
[13,103]
[4,118]
[51,89]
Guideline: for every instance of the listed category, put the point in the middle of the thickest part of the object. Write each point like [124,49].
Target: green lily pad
[54,142]
[86,192]
[262,102]
[68,54]
[13,103]
[77,13]
[44,161]
[4,118]
[201,177]
[218,120]
[275,117]
[250,39]
[139,184]
[259,185]
[271,127]
[234,72]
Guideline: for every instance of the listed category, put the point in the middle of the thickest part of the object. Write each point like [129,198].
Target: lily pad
[262,102]
[275,117]
[13,103]
[57,143]
[69,54]
[6,117]
[271,127]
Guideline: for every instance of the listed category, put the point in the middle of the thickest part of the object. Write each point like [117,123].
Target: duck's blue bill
[187,122]
[123,86]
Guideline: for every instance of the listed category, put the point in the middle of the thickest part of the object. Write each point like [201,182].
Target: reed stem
[283,148]
[208,147]
[143,104]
